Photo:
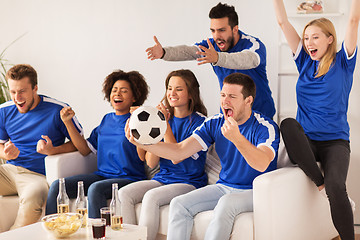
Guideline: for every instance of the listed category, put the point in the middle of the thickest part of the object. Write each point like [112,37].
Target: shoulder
[265,123]
[53,102]
[7,104]
[250,39]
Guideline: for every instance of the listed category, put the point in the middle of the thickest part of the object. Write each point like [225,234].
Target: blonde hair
[328,29]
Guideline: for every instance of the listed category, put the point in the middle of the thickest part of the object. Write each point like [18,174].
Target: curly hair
[193,87]
[137,82]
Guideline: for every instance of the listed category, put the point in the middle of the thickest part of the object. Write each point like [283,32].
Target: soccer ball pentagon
[147,125]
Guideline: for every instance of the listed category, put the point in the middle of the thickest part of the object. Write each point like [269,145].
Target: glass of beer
[105,213]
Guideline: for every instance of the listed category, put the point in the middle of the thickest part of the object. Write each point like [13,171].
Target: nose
[172,92]
[17,97]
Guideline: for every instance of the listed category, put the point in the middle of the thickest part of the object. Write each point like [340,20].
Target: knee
[334,187]
[125,195]
[95,189]
[54,189]
[288,123]
[36,194]
[151,196]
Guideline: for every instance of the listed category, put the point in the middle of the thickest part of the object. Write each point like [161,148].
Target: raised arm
[352,27]
[77,139]
[289,31]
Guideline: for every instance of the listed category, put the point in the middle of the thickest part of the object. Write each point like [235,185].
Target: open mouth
[228,112]
[313,52]
[220,43]
[118,101]
[21,104]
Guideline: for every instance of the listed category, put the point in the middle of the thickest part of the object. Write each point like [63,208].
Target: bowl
[62,225]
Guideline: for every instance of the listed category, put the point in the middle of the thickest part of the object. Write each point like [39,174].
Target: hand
[230,129]
[161,107]
[156,51]
[66,114]
[128,135]
[44,146]
[11,151]
[210,54]
[132,109]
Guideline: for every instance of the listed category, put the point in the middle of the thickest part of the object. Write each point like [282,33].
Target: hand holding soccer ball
[147,125]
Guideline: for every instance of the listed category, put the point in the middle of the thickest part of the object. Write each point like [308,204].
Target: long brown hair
[193,87]
[329,30]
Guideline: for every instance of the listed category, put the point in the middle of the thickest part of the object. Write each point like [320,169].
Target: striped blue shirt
[25,130]
[236,172]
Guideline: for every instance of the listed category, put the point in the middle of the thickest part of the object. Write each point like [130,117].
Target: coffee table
[37,232]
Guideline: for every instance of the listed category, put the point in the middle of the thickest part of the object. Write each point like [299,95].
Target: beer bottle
[115,209]
[62,198]
[81,204]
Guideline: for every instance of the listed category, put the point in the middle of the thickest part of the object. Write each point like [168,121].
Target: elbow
[176,160]
[84,152]
[151,165]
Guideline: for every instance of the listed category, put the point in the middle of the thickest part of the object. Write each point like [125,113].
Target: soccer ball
[147,125]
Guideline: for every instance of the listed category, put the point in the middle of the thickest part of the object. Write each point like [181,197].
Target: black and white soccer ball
[147,125]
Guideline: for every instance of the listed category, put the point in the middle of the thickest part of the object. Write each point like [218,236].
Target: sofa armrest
[69,164]
[287,205]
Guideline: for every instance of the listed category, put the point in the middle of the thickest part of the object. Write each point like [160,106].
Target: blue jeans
[97,188]
[227,203]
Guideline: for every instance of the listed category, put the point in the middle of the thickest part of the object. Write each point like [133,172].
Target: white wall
[74,45]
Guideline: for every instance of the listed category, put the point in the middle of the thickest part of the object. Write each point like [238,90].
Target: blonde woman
[320,132]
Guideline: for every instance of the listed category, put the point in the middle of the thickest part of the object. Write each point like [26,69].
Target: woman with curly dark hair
[118,161]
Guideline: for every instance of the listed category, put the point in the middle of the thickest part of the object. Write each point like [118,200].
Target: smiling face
[316,42]
[177,93]
[225,37]
[23,95]
[121,97]
[233,103]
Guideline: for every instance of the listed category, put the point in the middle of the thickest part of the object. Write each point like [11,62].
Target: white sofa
[287,204]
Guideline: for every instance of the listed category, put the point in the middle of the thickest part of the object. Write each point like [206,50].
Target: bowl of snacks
[62,225]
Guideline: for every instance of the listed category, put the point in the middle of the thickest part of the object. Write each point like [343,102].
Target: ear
[331,39]
[36,88]
[249,100]
[235,29]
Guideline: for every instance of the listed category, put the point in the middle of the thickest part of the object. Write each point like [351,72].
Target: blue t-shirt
[236,172]
[263,102]
[25,130]
[190,170]
[116,156]
[323,101]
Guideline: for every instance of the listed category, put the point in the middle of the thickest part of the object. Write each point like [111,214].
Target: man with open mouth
[27,123]
[229,50]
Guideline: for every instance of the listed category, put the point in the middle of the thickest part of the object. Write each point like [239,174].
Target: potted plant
[4,87]
[4,63]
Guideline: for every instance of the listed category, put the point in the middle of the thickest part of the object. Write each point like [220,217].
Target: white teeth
[20,102]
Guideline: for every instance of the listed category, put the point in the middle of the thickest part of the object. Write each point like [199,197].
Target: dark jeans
[334,156]
[97,188]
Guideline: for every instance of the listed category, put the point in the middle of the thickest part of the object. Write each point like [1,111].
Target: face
[23,95]
[222,33]
[177,93]
[233,103]
[316,42]
[121,97]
